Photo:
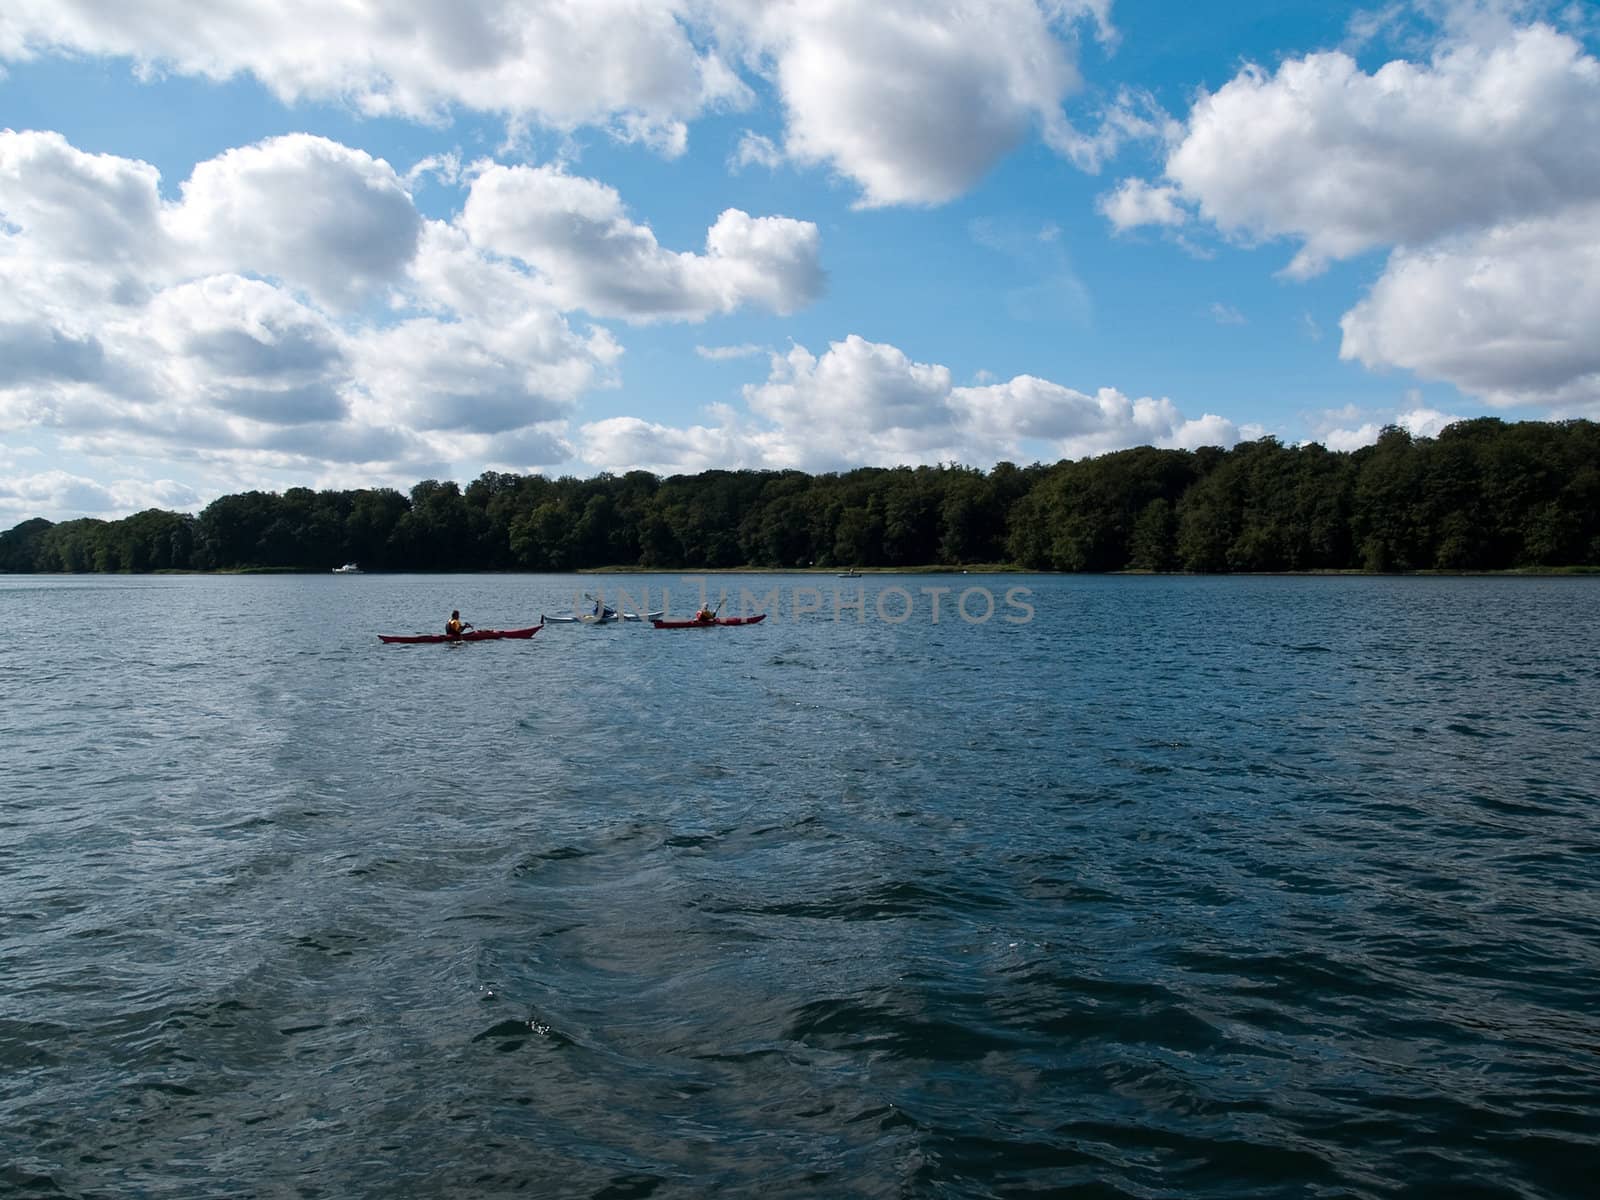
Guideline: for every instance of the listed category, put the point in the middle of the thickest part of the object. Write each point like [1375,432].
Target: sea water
[1189,887]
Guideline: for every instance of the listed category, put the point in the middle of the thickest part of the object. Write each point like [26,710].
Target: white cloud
[78,207]
[632,444]
[1337,429]
[1135,203]
[450,275]
[724,353]
[446,168]
[61,495]
[866,403]
[429,374]
[1344,161]
[912,100]
[915,101]
[1425,422]
[53,491]
[576,233]
[1074,424]
[324,218]
[1226,314]
[1477,166]
[242,348]
[631,66]
[234,327]
[756,150]
[35,352]
[860,403]
[1511,314]
[1345,440]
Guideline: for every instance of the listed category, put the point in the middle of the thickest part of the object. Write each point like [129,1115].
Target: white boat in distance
[348,569]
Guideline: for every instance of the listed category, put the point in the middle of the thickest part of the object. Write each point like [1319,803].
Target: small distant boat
[472,635]
[852,573]
[348,569]
[755,620]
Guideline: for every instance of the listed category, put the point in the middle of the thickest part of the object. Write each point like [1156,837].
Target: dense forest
[1483,495]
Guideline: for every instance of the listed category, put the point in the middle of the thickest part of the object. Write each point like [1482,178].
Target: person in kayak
[705,616]
[454,626]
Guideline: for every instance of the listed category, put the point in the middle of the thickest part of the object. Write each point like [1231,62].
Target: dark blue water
[1183,888]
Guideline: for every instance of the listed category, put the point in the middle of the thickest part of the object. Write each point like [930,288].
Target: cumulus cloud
[1477,167]
[331,220]
[1074,424]
[576,234]
[1351,428]
[631,66]
[756,150]
[245,348]
[911,100]
[34,352]
[61,495]
[1134,203]
[323,218]
[916,101]
[79,207]
[447,375]
[1344,161]
[862,400]
[237,325]
[867,403]
[632,443]
[1509,314]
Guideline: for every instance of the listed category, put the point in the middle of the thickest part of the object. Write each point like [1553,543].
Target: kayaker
[705,616]
[454,626]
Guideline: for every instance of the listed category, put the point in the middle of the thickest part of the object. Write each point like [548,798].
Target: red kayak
[759,617]
[472,635]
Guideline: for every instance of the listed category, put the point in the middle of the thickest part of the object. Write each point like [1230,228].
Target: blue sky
[265,244]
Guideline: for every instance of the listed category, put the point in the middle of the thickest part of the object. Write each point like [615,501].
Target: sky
[259,244]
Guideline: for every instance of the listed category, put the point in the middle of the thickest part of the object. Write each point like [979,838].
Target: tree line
[1483,495]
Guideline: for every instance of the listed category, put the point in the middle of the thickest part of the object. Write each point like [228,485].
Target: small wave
[880,1026]
[629,1187]
[513,1035]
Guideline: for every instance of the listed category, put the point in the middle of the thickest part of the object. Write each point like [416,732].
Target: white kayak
[609,619]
